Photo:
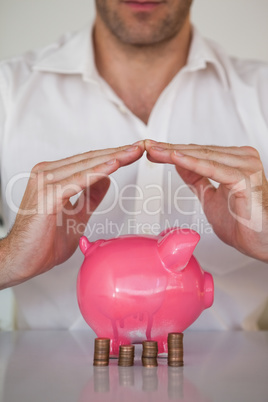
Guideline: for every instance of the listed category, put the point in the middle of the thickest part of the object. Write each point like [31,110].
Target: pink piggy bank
[134,288]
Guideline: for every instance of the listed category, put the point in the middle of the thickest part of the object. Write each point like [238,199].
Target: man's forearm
[6,262]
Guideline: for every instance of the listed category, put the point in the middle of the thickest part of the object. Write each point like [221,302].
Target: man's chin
[142,38]
[140,33]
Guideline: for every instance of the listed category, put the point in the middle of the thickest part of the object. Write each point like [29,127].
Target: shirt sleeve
[262,87]
[3,104]
[255,74]
[2,109]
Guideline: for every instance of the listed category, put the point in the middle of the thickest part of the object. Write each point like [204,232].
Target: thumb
[91,198]
[200,185]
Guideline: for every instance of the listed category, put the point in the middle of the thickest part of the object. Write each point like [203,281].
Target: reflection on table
[57,366]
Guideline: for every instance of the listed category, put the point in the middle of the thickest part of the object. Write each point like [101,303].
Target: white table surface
[56,366]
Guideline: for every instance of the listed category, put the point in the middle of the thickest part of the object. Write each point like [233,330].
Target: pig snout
[208,290]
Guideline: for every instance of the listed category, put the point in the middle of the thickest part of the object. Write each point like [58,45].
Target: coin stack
[175,349]
[149,353]
[126,355]
[101,352]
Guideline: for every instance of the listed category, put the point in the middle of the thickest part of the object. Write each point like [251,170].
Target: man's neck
[138,75]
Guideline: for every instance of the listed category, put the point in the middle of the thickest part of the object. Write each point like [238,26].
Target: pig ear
[84,244]
[176,248]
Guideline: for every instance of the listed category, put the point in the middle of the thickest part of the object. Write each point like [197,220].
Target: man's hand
[39,239]
[238,208]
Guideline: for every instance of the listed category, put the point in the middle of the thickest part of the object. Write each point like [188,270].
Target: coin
[175,338]
[150,348]
[175,349]
[149,362]
[149,353]
[126,355]
[101,352]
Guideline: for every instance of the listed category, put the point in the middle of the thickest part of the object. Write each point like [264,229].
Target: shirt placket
[149,202]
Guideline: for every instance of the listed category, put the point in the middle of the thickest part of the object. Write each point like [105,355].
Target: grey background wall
[239,25]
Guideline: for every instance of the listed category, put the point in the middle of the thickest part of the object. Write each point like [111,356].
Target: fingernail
[110,162]
[132,148]
[178,154]
[138,143]
[158,149]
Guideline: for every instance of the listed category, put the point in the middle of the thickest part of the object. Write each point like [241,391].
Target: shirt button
[122,109]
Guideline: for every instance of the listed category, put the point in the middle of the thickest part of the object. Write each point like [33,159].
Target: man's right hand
[37,242]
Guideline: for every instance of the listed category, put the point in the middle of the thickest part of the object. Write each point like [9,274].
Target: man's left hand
[238,208]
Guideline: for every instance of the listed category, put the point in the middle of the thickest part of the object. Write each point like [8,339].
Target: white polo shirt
[54,104]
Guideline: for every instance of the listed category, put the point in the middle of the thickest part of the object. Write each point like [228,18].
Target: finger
[160,155]
[79,181]
[244,162]
[124,157]
[244,150]
[47,166]
[157,159]
[199,185]
[91,198]
[210,169]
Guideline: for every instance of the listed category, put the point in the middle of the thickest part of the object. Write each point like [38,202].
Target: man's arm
[39,239]
[238,208]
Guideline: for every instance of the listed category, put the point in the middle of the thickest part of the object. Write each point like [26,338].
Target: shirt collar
[74,54]
[204,52]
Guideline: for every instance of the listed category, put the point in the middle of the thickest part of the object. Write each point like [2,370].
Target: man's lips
[143,5]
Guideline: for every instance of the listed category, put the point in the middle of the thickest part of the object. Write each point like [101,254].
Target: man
[146,74]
